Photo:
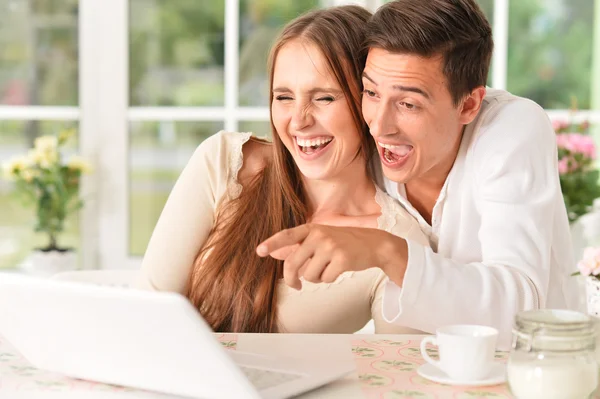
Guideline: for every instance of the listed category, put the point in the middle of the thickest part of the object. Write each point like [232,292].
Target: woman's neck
[350,193]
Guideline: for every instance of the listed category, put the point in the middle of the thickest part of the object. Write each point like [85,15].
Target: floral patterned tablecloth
[385,368]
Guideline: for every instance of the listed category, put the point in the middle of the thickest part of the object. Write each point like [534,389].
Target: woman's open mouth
[311,148]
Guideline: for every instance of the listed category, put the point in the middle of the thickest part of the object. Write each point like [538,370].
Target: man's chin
[396,175]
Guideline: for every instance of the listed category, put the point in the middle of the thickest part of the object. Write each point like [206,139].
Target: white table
[385,369]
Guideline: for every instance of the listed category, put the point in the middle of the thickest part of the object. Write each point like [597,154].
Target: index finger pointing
[282,239]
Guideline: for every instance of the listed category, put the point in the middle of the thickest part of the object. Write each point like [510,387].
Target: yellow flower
[45,151]
[29,174]
[65,135]
[12,168]
[46,143]
[78,163]
[44,158]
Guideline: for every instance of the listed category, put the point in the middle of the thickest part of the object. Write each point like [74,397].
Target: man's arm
[321,253]
[516,192]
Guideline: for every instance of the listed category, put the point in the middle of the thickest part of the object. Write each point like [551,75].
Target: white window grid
[104,114]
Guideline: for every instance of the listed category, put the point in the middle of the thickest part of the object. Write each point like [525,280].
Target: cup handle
[424,342]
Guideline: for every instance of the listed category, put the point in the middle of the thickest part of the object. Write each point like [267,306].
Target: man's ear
[471,105]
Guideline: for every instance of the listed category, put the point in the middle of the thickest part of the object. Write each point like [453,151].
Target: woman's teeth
[310,146]
[314,142]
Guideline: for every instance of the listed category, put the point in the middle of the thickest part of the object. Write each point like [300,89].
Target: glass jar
[553,356]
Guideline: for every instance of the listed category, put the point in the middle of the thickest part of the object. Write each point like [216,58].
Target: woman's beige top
[343,306]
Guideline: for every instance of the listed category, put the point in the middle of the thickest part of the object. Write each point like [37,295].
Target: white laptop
[148,340]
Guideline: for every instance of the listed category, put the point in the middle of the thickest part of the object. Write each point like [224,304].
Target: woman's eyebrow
[311,91]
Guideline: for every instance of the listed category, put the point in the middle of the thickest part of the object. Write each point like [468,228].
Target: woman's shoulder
[236,148]
[397,220]
[234,156]
[254,156]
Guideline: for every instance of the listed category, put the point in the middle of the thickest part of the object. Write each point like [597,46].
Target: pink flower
[563,166]
[590,264]
[588,147]
[559,125]
[564,141]
[577,143]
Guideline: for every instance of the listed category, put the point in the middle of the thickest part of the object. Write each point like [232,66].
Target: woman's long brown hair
[234,289]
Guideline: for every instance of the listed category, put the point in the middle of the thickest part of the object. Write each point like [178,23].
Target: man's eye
[407,105]
[369,93]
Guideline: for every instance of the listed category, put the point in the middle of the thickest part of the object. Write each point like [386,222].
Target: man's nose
[382,123]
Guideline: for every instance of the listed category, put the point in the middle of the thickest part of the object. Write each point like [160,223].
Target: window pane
[486,5]
[258,128]
[488,9]
[176,52]
[159,152]
[38,52]
[17,236]
[260,22]
[550,51]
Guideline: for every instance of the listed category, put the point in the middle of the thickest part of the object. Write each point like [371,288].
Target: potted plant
[44,179]
[578,176]
[578,181]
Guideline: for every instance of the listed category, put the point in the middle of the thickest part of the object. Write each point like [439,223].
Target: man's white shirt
[500,237]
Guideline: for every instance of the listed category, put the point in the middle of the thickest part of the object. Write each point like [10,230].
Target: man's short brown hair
[457,30]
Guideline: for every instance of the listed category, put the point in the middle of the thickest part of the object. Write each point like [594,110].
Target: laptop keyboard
[263,379]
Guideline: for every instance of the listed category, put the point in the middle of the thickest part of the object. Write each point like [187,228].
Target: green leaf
[579,191]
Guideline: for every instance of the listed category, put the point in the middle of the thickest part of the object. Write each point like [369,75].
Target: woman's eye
[283,98]
[326,99]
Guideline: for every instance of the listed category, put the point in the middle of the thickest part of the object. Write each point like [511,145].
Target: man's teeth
[400,150]
[388,155]
[314,142]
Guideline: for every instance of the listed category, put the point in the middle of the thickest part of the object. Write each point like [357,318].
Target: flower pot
[592,289]
[47,263]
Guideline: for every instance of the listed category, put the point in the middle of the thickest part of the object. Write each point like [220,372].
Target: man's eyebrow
[411,89]
[400,87]
[364,74]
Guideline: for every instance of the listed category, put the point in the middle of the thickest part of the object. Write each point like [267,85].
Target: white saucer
[497,376]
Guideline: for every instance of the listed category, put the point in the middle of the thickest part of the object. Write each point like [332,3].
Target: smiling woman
[312,114]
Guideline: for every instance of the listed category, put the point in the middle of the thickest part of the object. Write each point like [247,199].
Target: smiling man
[476,167]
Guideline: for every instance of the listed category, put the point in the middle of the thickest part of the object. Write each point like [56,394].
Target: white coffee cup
[466,351]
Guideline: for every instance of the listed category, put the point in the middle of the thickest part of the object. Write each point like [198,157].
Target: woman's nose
[302,117]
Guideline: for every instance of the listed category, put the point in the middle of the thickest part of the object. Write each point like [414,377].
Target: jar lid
[554,330]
